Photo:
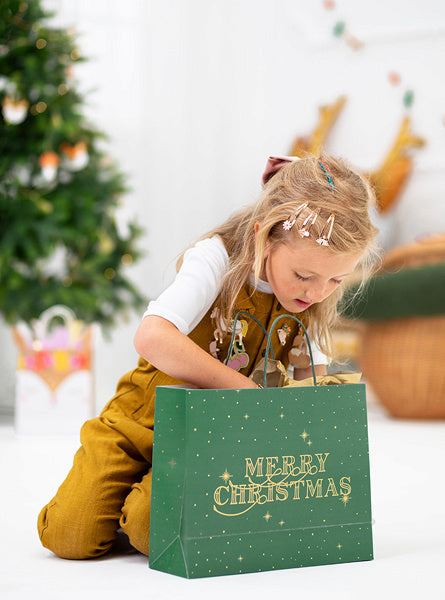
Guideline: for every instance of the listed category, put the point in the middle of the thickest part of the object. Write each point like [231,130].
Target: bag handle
[235,320]
[268,347]
[41,325]
[269,338]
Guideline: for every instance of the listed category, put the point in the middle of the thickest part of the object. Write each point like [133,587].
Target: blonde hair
[298,182]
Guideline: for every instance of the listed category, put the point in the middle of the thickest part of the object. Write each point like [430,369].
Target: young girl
[289,253]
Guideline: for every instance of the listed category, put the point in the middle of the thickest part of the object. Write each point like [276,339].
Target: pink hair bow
[274,164]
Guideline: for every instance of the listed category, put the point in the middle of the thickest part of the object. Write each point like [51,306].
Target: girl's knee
[68,536]
[138,535]
[135,519]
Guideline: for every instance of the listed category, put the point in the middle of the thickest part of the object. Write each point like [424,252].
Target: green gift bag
[259,479]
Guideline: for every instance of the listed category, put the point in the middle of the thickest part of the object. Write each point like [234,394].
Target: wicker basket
[425,251]
[403,359]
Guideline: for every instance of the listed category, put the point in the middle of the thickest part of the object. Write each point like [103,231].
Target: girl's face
[302,273]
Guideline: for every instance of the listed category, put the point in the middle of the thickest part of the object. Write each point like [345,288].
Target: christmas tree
[60,243]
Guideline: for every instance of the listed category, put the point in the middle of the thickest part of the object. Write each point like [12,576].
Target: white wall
[196,93]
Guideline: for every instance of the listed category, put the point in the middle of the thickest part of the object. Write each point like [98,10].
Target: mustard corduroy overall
[109,484]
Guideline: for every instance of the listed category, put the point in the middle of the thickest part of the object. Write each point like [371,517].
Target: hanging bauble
[75,158]
[14,112]
[49,163]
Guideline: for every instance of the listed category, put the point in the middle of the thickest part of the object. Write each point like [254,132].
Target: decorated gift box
[54,385]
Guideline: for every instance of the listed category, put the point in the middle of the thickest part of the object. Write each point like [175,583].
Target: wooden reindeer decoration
[313,144]
[390,177]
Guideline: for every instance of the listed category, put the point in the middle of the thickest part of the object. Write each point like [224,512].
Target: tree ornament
[75,158]
[14,112]
[49,163]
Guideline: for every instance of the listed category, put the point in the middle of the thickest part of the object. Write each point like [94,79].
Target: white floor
[408,491]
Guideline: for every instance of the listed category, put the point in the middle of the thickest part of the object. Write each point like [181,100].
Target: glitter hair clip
[327,172]
[323,240]
[289,223]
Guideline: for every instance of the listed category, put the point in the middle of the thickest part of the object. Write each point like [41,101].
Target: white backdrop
[195,94]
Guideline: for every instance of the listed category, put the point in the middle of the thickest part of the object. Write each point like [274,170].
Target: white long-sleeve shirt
[197,285]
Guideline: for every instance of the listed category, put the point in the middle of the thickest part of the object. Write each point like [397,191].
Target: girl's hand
[160,343]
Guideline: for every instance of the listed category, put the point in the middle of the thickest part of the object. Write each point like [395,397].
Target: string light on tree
[110,273]
[127,259]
